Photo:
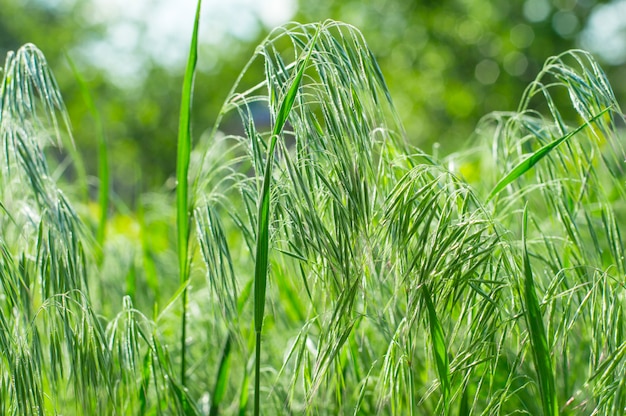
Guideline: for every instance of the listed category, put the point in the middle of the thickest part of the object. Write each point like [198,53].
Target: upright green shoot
[262,245]
[182,171]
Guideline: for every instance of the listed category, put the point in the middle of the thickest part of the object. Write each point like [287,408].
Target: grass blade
[145,382]
[182,170]
[222,378]
[538,338]
[244,392]
[439,350]
[531,161]
[464,409]
[262,245]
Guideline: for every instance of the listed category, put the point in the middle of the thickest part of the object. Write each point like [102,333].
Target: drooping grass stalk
[262,244]
[182,182]
[332,200]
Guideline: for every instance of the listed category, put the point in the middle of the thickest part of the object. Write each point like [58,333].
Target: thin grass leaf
[262,245]
[533,159]
[439,350]
[244,393]
[145,383]
[221,382]
[464,408]
[182,172]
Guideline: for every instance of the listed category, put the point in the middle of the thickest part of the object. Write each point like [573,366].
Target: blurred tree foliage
[447,64]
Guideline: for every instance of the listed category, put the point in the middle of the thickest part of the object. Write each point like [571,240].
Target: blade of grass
[244,393]
[262,245]
[531,161]
[145,383]
[182,171]
[221,383]
[538,338]
[439,350]
[464,409]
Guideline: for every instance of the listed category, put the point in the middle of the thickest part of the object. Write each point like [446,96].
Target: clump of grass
[337,270]
[58,354]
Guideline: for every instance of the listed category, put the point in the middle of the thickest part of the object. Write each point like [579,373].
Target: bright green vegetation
[314,262]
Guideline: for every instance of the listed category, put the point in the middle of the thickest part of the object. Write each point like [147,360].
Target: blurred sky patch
[139,31]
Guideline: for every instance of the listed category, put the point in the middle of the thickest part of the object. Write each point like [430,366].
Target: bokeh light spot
[522,36]
[487,71]
[565,23]
[515,63]
[536,10]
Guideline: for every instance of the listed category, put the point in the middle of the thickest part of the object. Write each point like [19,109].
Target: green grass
[325,266]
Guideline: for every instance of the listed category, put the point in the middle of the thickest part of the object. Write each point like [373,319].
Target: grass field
[317,263]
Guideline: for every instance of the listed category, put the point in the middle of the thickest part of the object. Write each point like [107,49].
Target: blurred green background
[447,62]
